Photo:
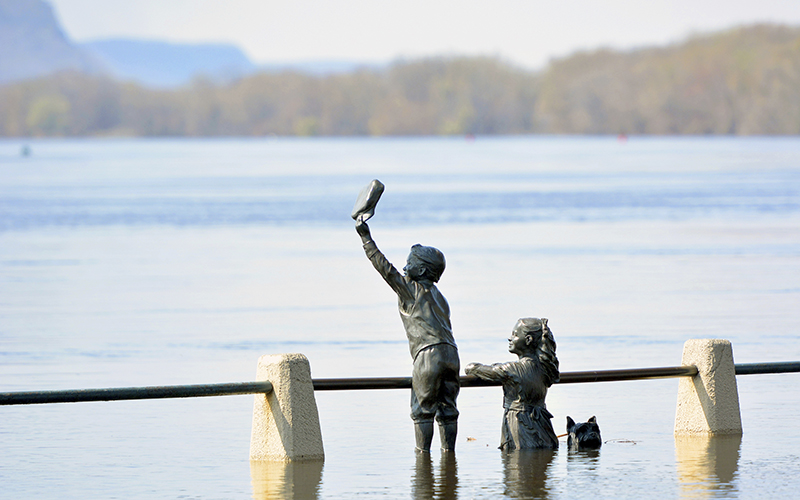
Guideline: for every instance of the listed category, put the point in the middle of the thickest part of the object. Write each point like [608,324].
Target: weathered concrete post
[286,420]
[708,403]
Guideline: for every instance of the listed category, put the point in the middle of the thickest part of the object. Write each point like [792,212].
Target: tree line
[742,81]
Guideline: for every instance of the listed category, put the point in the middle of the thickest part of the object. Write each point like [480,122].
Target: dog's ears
[570,423]
[593,420]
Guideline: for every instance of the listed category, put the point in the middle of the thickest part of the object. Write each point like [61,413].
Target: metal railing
[760,368]
[344,384]
[127,393]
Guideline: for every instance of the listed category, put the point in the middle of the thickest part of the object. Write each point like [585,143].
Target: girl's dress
[526,421]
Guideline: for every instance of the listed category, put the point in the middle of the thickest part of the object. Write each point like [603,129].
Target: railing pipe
[761,368]
[127,393]
[627,374]
[343,384]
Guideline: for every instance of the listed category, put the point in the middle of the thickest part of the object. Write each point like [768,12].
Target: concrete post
[708,403]
[286,420]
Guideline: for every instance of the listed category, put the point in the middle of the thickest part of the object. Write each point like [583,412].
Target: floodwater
[165,262]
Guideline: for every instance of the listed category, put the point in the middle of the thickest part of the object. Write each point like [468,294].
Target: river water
[165,262]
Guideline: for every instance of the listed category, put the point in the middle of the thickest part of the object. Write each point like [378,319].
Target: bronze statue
[526,422]
[426,318]
[583,435]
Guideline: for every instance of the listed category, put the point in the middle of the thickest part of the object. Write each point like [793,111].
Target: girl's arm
[494,372]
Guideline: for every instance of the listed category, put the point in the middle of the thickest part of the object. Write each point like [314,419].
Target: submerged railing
[344,384]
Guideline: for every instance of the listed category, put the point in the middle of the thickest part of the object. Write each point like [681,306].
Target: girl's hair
[545,346]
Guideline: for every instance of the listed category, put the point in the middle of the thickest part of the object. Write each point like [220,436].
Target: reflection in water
[444,485]
[286,480]
[586,460]
[526,473]
[707,465]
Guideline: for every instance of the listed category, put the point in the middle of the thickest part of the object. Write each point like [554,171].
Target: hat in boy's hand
[367,199]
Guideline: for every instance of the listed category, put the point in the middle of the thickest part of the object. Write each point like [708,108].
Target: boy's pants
[435,384]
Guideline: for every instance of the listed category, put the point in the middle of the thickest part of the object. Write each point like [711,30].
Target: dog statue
[584,435]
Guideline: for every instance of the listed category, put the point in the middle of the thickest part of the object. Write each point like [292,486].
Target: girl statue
[526,421]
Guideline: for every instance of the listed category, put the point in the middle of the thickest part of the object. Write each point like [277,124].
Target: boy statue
[426,318]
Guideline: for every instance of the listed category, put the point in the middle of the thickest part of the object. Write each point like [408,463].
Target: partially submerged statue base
[526,422]
[426,318]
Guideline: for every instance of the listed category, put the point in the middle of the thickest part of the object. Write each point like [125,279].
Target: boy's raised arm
[382,264]
[363,230]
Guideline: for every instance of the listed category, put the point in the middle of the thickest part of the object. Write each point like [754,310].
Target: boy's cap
[430,256]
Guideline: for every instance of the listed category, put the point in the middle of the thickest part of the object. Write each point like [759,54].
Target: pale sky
[527,33]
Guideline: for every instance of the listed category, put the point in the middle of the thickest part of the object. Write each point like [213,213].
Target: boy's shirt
[423,309]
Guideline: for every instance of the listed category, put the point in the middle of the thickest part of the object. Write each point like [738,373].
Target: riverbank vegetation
[743,81]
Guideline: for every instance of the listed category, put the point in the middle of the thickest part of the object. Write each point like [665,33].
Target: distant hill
[32,43]
[164,64]
[742,81]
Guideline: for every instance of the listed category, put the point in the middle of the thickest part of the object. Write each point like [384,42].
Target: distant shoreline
[739,82]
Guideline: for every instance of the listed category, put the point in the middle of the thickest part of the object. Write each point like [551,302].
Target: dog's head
[584,435]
